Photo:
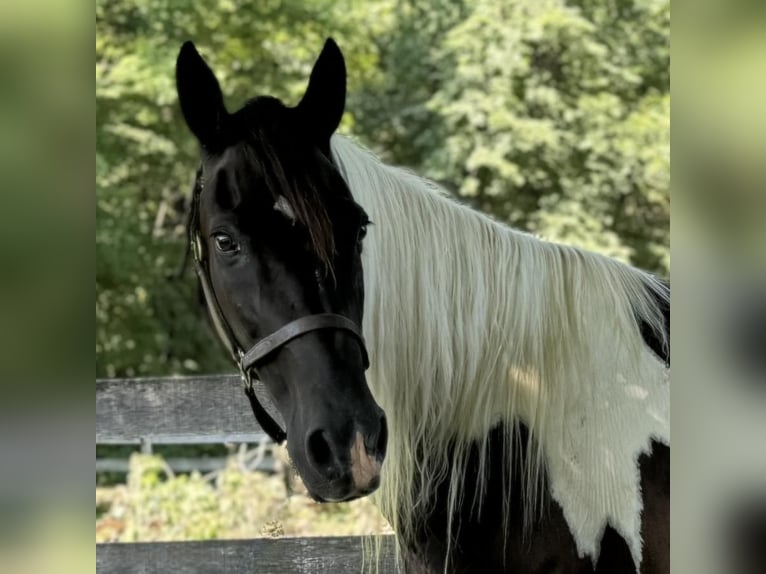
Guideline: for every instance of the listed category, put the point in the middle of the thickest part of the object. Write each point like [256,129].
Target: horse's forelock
[304,198]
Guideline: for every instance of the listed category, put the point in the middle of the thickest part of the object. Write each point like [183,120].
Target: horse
[503,399]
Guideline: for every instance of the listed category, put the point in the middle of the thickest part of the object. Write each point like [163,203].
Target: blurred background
[551,115]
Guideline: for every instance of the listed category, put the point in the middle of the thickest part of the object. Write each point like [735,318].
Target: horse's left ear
[321,107]
[200,96]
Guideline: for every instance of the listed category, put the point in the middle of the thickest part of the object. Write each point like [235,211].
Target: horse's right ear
[199,95]
[321,107]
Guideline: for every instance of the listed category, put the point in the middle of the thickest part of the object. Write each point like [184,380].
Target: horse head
[278,244]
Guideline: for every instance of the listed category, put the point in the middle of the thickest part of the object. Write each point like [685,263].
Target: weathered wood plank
[335,555]
[122,465]
[211,409]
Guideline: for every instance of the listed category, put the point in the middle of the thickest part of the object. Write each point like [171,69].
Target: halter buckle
[197,247]
[247,378]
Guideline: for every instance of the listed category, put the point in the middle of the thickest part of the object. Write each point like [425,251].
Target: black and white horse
[525,384]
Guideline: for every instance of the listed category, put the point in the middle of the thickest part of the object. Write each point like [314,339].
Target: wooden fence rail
[193,410]
[184,410]
[336,555]
[177,464]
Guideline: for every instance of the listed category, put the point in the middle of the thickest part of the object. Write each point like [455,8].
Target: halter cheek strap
[265,420]
[246,361]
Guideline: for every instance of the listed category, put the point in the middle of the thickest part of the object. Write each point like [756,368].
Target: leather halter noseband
[248,360]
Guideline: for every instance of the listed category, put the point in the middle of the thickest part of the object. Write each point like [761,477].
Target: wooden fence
[194,410]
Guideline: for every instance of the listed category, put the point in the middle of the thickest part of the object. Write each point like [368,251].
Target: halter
[248,360]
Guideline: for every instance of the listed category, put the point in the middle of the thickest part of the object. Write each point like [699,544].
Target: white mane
[470,323]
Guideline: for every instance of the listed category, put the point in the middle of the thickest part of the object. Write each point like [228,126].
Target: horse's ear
[322,105]
[199,95]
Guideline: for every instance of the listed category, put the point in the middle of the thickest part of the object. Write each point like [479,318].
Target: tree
[551,115]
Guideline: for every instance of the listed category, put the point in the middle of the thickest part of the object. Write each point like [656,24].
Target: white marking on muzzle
[364,468]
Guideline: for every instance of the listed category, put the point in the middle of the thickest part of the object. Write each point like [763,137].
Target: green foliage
[552,115]
[155,504]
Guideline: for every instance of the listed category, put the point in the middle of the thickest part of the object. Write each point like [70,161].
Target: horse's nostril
[380,446]
[319,449]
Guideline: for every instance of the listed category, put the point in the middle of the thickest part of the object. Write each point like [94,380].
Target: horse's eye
[225,244]
[362,231]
